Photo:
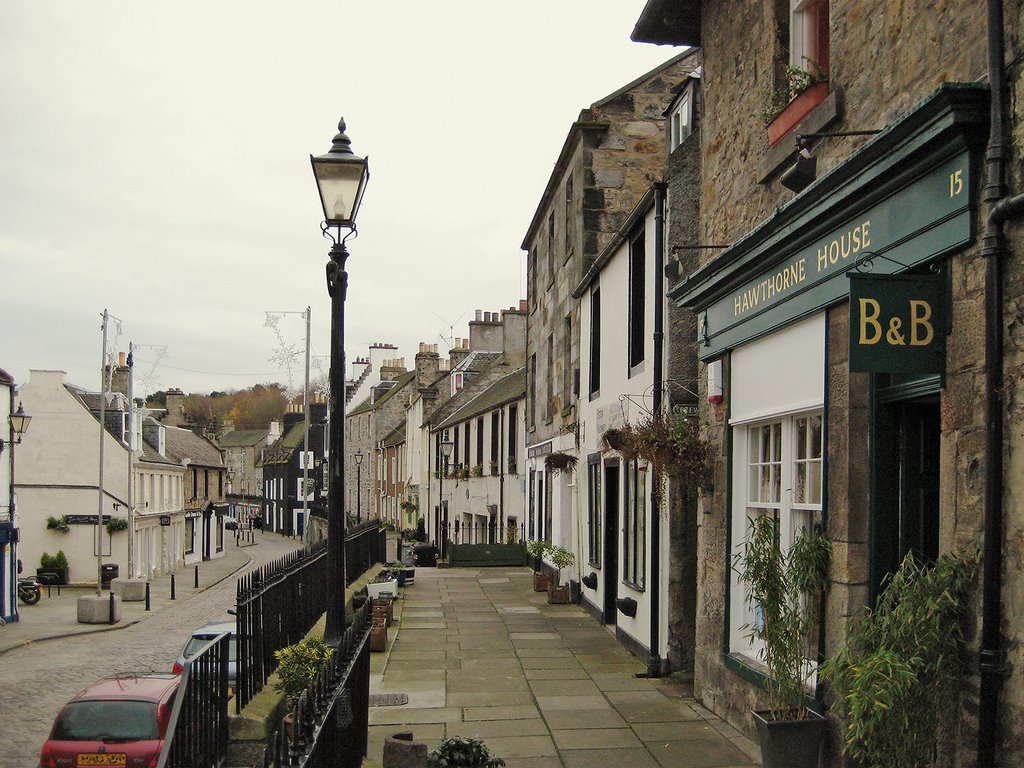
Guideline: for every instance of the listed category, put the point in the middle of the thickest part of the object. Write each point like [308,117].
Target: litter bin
[408,551]
[425,555]
[108,573]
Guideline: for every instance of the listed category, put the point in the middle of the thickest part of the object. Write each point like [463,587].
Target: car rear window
[107,721]
[198,641]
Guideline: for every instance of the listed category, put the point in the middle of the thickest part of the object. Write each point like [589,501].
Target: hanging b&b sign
[897,323]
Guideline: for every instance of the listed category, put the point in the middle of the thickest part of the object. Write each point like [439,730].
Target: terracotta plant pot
[795,111]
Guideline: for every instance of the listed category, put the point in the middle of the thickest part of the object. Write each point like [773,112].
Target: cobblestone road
[35,681]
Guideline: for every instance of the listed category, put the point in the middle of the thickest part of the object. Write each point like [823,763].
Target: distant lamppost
[341,179]
[19,425]
[447,446]
[359,486]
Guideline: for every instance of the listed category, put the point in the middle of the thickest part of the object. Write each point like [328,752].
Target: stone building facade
[886,455]
[613,153]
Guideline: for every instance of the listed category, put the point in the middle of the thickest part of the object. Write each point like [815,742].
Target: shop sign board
[898,323]
[914,225]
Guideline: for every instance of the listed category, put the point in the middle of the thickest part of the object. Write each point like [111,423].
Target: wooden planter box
[795,111]
[559,595]
[378,636]
[541,581]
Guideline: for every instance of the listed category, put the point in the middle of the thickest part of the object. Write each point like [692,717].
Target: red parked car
[118,721]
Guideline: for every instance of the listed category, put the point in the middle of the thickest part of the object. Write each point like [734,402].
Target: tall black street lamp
[359,486]
[341,179]
[446,447]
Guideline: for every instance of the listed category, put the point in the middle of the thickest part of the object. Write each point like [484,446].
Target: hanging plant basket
[560,462]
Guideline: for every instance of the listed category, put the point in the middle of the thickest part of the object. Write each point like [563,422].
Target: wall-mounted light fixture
[19,424]
[805,169]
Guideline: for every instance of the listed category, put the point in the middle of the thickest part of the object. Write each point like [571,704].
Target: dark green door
[906,486]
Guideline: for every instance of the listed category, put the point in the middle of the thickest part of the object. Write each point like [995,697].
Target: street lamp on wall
[446,446]
[19,425]
[340,179]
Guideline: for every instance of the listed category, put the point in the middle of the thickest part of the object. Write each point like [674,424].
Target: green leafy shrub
[298,664]
[562,558]
[901,662]
[537,548]
[59,524]
[57,562]
[462,752]
[116,524]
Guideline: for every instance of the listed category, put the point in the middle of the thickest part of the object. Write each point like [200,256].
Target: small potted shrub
[786,589]
[903,660]
[298,664]
[478,470]
[53,569]
[560,462]
[557,592]
[536,549]
[116,524]
[462,752]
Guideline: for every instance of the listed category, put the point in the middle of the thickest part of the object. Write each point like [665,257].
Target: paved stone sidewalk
[56,614]
[480,654]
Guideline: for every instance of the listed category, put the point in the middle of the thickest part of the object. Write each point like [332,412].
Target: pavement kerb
[124,624]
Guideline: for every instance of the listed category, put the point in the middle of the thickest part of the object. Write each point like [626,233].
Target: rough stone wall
[620,152]
[885,58]
[681,384]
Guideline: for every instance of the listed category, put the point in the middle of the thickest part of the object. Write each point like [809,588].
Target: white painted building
[610,505]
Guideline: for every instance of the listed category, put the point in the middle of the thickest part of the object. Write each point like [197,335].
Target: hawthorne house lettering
[841,248]
[771,286]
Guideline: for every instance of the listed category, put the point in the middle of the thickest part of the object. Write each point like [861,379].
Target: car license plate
[100,758]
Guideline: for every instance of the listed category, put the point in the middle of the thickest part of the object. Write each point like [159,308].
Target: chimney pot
[479,312]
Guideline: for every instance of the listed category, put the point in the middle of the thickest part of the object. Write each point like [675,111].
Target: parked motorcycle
[29,590]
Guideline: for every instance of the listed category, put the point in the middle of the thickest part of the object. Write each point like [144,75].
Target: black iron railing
[329,721]
[197,732]
[280,602]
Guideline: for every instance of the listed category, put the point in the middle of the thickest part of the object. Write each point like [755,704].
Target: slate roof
[397,436]
[184,444]
[281,451]
[505,390]
[242,438]
[476,362]
[366,405]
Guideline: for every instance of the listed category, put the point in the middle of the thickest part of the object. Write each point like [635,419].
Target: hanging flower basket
[560,462]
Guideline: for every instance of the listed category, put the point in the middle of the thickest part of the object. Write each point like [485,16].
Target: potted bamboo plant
[557,592]
[903,659]
[536,549]
[785,590]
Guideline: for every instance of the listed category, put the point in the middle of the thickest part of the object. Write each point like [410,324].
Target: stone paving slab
[480,654]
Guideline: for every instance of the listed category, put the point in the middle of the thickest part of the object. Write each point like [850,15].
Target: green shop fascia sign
[917,223]
[898,323]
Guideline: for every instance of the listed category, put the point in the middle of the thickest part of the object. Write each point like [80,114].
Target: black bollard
[197,577]
[112,620]
[172,586]
[147,595]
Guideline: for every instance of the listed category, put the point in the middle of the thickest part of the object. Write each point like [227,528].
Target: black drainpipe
[654,661]
[1000,207]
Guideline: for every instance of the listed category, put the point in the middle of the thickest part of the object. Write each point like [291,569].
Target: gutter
[654,661]
[1000,207]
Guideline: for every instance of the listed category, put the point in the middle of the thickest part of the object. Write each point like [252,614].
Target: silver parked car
[202,636]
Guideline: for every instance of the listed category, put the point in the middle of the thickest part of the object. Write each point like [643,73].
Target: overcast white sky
[154,161]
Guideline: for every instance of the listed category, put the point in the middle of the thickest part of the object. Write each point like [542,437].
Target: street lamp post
[18,422]
[359,486]
[341,179]
[446,446]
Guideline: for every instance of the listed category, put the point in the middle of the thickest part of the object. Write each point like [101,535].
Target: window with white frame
[634,530]
[680,118]
[782,477]
[808,35]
